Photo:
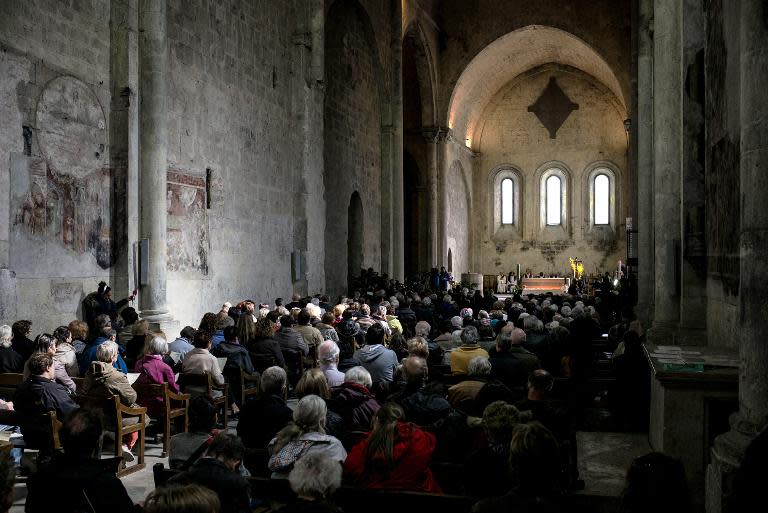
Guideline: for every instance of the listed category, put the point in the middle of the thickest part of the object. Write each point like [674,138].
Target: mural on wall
[62,194]
[188,239]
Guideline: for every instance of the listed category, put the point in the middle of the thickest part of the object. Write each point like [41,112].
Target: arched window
[507,201]
[601,195]
[602,199]
[505,184]
[554,182]
[553,200]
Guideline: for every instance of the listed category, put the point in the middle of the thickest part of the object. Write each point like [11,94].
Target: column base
[161,320]
[727,454]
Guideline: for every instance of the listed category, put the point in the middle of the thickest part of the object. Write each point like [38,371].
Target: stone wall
[57,238]
[229,113]
[511,137]
[353,120]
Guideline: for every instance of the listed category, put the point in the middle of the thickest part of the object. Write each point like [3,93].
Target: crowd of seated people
[385,382]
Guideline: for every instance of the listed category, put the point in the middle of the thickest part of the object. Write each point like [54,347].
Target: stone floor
[603,462]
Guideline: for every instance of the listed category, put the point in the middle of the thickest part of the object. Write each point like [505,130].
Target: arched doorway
[354,237]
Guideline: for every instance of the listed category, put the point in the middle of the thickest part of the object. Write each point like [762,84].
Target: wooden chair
[116,411]
[246,379]
[205,382]
[294,360]
[262,362]
[174,406]
[9,381]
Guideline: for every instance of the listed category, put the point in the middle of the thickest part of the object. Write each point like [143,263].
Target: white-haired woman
[305,435]
[103,380]
[153,370]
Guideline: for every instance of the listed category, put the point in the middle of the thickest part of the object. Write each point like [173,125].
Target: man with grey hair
[328,356]
[262,418]
[530,360]
[421,405]
[469,349]
[463,394]
[507,368]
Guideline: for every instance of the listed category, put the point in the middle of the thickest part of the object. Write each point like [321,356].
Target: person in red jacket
[395,455]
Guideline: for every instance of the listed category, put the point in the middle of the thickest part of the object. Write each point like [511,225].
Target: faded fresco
[61,190]
[72,212]
[188,239]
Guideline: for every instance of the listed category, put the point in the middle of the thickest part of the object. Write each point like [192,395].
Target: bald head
[415,369]
[518,337]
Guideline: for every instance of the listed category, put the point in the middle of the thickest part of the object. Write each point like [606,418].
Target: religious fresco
[188,239]
[62,187]
[72,212]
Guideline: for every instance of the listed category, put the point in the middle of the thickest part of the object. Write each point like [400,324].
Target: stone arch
[415,40]
[509,56]
[355,217]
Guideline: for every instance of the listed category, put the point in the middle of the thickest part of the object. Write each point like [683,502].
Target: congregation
[394,388]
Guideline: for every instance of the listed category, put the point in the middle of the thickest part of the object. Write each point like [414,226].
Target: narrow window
[553,200]
[507,201]
[602,199]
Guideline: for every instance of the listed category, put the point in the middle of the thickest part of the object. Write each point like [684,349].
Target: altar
[544,285]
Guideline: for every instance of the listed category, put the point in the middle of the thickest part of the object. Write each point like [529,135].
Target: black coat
[69,485]
[261,419]
[10,360]
[34,397]
[231,487]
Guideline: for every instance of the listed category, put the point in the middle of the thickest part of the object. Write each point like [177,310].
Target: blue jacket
[89,355]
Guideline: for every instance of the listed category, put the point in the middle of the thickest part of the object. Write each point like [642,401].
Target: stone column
[644,135]
[432,137]
[398,211]
[153,135]
[668,139]
[752,416]
[124,137]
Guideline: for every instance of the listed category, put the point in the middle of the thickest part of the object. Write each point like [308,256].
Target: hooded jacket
[355,404]
[104,380]
[411,455]
[379,361]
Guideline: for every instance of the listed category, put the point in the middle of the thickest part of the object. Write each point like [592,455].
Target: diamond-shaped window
[553,107]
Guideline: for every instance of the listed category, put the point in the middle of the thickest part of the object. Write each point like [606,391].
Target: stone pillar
[644,135]
[398,211]
[432,136]
[124,137]
[668,139]
[752,416]
[153,135]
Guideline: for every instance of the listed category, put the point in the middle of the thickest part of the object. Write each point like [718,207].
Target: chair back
[9,381]
[262,362]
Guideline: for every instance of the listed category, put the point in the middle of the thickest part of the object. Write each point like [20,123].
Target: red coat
[412,455]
